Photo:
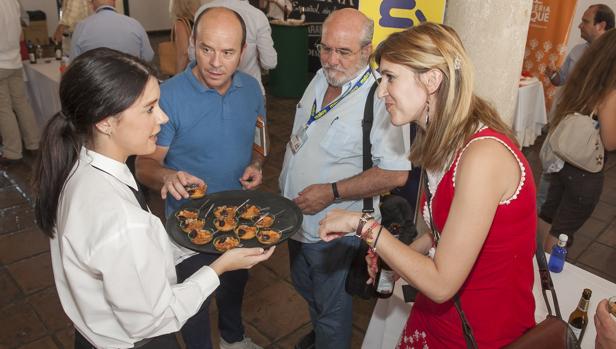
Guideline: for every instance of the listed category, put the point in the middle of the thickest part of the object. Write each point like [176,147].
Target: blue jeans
[319,272]
[229,295]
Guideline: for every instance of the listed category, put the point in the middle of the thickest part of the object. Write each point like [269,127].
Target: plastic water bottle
[559,254]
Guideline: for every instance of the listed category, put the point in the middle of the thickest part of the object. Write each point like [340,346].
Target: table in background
[390,315]
[530,115]
[43,85]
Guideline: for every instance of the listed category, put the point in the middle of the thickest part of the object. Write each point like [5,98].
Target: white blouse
[113,263]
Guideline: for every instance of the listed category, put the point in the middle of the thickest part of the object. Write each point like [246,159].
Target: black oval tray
[291,217]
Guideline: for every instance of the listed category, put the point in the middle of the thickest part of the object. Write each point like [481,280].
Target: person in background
[182,12]
[480,203]
[213,110]
[277,9]
[108,28]
[259,53]
[605,324]
[25,18]
[72,12]
[596,20]
[323,170]
[112,260]
[574,193]
[16,116]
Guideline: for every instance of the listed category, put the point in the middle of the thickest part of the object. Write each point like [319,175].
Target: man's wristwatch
[335,191]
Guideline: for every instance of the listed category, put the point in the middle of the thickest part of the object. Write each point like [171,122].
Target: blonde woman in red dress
[482,199]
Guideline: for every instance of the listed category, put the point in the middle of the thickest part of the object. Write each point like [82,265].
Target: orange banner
[550,21]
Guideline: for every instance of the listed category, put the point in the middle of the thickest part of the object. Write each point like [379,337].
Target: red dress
[497,295]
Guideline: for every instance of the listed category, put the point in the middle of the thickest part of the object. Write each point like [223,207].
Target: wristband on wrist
[367,235]
[335,191]
[365,217]
[377,239]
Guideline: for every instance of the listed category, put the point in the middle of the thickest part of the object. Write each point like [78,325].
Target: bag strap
[366,126]
[546,280]
[544,274]
[466,327]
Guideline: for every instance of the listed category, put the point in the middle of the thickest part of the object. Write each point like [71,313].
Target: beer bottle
[38,49]
[31,53]
[58,50]
[384,281]
[579,317]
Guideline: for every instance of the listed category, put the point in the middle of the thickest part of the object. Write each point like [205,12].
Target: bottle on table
[39,51]
[558,255]
[58,50]
[31,53]
[579,317]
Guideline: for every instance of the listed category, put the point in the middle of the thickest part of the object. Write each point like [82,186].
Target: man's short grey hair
[368,32]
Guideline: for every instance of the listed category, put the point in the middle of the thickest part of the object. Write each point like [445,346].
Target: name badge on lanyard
[298,139]
[301,136]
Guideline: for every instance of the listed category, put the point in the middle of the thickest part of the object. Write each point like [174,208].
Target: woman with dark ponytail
[113,264]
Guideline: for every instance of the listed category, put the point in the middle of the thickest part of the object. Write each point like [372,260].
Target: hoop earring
[427,112]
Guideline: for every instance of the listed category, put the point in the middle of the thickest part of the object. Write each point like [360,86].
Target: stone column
[494,35]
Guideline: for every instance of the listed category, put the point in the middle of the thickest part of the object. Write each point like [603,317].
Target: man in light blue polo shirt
[323,170]
[107,28]
[213,110]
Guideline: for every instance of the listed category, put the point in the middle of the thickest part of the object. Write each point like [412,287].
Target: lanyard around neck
[314,115]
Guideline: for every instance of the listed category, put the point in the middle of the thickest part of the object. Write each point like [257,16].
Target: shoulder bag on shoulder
[576,140]
[355,283]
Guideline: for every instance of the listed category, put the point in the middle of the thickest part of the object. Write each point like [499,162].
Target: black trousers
[166,341]
[196,332]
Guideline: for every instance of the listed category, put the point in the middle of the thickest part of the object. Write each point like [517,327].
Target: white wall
[581,6]
[152,14]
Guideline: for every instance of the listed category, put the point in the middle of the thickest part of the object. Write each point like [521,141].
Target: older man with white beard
[323,170]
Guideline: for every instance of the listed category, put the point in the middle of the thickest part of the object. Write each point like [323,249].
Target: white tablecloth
[389,316]
[43,85]
[530,115]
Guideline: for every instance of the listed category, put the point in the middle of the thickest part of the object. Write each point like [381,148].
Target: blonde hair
[184,9]
[592,79]
[458,111]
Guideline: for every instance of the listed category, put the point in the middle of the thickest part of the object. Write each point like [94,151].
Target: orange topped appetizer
[196,191]
[225,243]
